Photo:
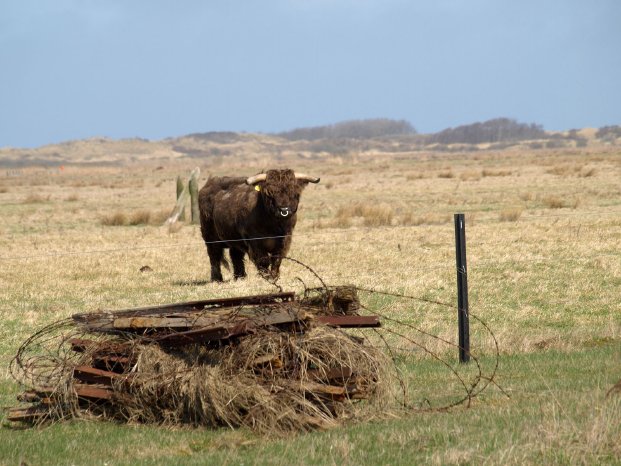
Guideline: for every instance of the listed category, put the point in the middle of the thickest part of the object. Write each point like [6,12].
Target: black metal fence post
[462,288]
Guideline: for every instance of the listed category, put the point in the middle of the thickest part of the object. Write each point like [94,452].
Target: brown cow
[253,215]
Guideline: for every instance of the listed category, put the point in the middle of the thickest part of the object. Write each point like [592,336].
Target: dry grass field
[543,240]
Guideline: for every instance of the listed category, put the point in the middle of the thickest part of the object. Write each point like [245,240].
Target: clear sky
[72,69]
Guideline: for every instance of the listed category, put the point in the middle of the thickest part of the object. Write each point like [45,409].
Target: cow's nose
[284,211]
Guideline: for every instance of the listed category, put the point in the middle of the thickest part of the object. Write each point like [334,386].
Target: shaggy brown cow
[253,215]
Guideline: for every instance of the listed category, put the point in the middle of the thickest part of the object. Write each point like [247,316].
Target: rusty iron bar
[93,392]
[190,306]
[97,376]
[350,321]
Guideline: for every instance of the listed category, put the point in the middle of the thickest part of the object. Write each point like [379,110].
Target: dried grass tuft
[138,217]
[409,218]
[446,174]
[510,215]
[114,219]
[36,198]
[554,202]
[495,172]
[470,175]
[368,214]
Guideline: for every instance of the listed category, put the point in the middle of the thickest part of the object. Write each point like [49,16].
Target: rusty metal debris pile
[270,362]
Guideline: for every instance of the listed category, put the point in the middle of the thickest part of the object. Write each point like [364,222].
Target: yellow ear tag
[257,187]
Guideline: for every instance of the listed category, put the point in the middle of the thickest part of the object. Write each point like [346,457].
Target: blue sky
[72,69]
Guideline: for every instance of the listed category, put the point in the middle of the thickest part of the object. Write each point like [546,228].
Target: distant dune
[341,139]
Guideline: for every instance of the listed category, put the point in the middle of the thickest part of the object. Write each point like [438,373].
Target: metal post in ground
[462,288]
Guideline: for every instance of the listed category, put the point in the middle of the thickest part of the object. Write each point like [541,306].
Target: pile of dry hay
[273,380]
[270,382]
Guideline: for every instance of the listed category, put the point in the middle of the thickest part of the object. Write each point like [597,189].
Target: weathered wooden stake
[179,207]
[194,194]
[463,319]
[180,188]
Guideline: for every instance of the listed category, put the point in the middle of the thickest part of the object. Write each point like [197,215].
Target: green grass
[557,413]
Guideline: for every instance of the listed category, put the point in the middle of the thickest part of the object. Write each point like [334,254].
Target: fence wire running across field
[47,362]
[312,234]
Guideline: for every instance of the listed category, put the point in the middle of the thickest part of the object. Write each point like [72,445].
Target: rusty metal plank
[350,321]
[193,336]
[30,414]
[132,323]
[32,396]
[93,392]
[110,361]
[233,328]
[80,345]
[97,376]
[100,320]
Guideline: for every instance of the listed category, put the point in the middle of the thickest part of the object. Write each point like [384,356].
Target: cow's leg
[263,265]
[215,252]
[275,266]
[276,258]
[237,257]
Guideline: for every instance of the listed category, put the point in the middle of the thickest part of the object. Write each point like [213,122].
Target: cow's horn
[256,178]
[303,177]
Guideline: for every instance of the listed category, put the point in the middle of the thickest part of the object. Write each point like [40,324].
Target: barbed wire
[138,248]
[311,234]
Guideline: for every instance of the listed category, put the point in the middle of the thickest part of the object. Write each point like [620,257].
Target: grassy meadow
[543,240]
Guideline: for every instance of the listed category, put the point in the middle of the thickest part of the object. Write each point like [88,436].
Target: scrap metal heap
[270,362]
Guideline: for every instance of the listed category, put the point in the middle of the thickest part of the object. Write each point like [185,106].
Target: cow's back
[226,207]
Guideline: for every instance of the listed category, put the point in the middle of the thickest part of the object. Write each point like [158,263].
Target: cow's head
[280,190]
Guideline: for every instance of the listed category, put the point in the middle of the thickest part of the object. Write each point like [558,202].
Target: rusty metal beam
[234,328]
[93,392]
[190,306]
[97,376]
[350,321]
[31,414]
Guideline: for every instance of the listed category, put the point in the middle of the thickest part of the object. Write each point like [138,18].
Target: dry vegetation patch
[138,217]
[371,215]
[446,174]
[36,198]
[471,175]
[510,215]
[495,172]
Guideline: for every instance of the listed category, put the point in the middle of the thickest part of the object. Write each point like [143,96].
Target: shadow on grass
[191,282]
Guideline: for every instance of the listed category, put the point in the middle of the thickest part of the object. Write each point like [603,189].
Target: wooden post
[462,289]
[180,188]
[179,207]
[193,185]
